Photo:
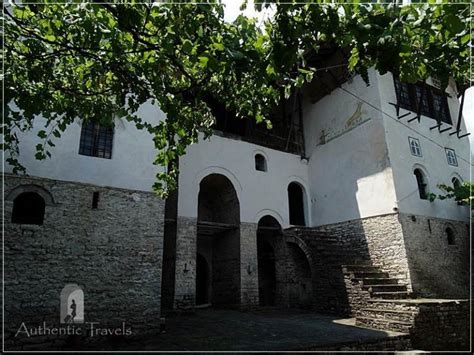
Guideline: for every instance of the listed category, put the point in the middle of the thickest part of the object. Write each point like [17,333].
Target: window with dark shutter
[431,101]
[96,140]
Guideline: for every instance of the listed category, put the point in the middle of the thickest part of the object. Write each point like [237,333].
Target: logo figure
[72,304]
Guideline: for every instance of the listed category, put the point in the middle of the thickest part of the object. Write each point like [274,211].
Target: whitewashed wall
[131,165]
[260,193]
[350,175]
[433,162]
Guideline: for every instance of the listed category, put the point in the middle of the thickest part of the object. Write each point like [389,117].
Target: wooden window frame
[408,99]
[96,140]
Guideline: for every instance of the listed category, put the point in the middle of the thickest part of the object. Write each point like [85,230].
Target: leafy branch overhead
[103,61]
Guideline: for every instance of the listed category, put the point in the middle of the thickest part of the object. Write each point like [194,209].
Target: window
[420,180]
[296,204]
[95,200]
[260,162]
[451,157]
[415,147]
[450,236]
[457,184]
[28,208]
[96,140]
[434,102]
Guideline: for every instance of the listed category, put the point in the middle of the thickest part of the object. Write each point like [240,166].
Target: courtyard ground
[272,329]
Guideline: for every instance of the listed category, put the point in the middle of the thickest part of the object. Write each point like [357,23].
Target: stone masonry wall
[114,253]
[248,265]
[185,270]
[442,327]
[437,268]
[378,239]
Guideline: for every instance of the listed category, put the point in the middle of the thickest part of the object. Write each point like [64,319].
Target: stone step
[384,324]
[384,304]
[368,274]
[377,281]
[388,314]
[390,295]
[360,268]
[385,288]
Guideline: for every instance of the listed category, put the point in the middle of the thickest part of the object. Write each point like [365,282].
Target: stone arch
[45,194]
[218,237]
[304,247]
[268,212]
[221,171]
[301,269]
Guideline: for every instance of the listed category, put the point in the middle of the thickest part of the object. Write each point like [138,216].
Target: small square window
[451,157]
[415,147]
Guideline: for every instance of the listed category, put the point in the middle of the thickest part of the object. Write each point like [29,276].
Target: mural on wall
[339,127]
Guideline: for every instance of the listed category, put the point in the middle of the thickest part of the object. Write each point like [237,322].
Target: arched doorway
[28,208]
[267,233]
[218,240]
[296,204]
[301,285]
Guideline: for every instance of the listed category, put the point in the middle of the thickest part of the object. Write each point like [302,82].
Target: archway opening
[28,208]
[296,204]
[218,240]
[300,280]
[269,230]
[422,185]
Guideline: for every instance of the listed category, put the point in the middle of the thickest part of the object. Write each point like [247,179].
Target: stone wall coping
[422,301]
[10,175]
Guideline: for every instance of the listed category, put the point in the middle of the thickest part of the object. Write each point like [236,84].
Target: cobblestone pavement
[230,330]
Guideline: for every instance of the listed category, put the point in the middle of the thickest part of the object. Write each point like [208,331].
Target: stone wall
[377,239]
[185,270]
[437,268]
[413,249]
[113,252]
[442,327]
[248,265]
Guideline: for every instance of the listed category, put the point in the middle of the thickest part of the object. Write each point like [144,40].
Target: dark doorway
[202,280]
[28,208]
[266,273]
[299,269]
[296,204]
[268,233]
[218,239]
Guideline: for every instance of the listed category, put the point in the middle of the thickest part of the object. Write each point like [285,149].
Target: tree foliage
[464,193]
[102,61]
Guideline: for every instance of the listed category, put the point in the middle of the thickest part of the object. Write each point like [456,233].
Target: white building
[344,160]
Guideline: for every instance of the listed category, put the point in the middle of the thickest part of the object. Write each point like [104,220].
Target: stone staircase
[373,295]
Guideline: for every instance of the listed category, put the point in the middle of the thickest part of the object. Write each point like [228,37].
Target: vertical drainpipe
[300,114]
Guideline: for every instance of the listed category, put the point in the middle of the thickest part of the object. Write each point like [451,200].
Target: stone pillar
[185,272]
[248,265]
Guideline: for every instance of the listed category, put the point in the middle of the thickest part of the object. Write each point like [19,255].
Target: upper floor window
[96,140]
[260,162]
[451,157]
[28,208]
[456,182]
[434,102]
[421,181]
[415,147]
